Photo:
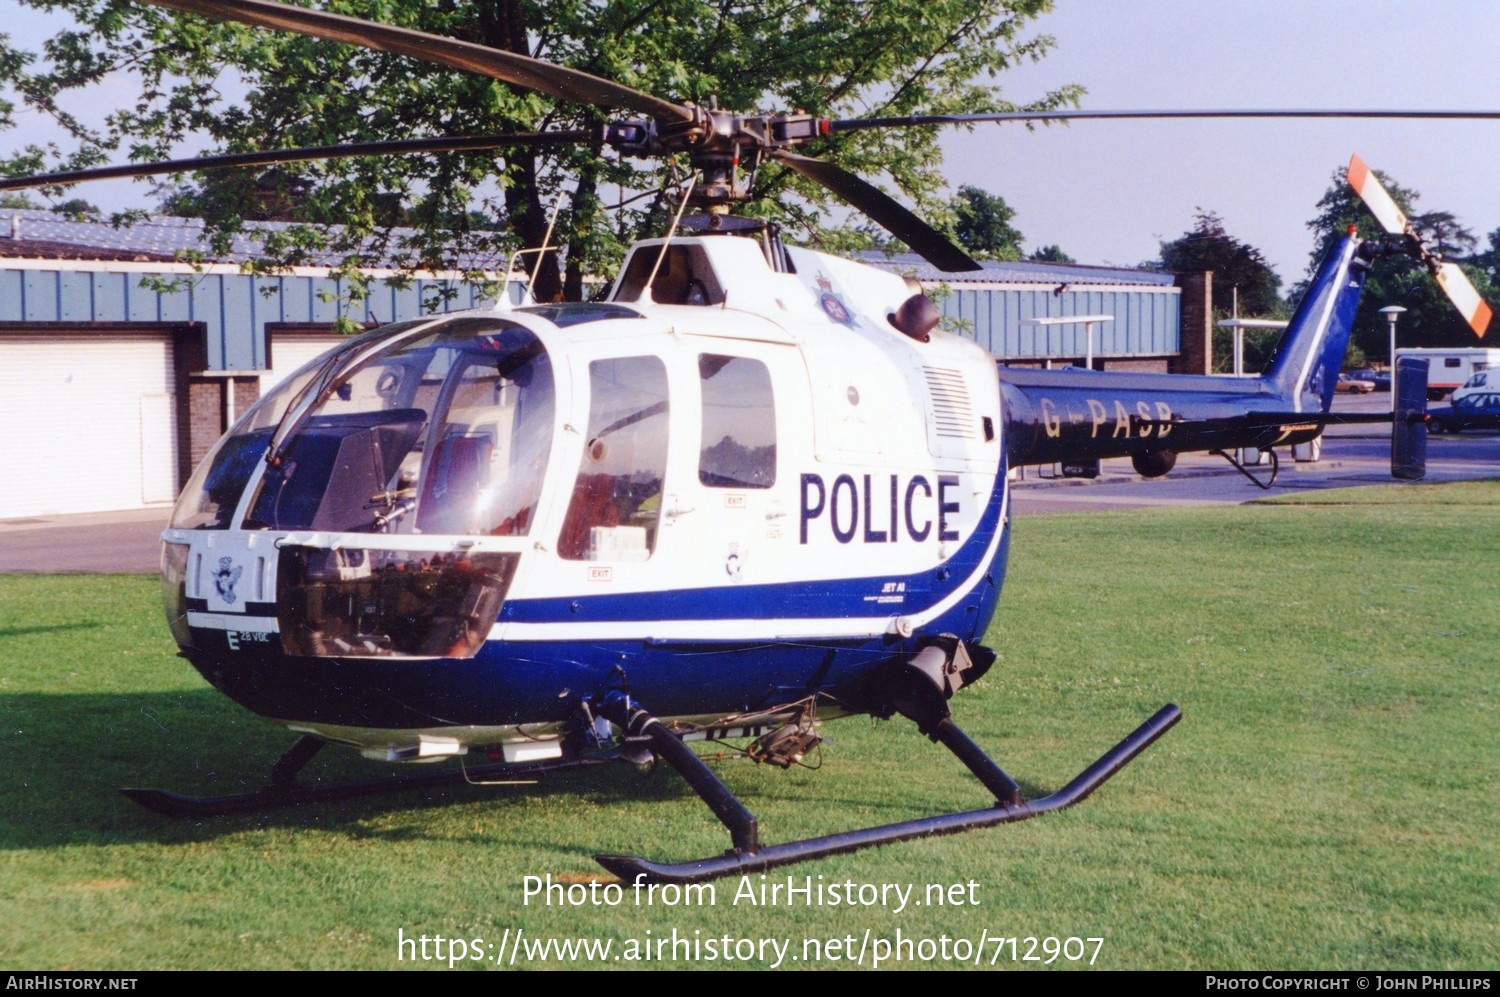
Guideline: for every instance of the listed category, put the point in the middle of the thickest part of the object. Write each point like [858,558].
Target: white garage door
[291,352]
[90,424]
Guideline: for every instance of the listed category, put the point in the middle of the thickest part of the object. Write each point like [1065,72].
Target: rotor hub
[724,147]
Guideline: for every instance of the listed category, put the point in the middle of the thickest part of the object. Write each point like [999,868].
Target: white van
[1481,380]
[1450,368]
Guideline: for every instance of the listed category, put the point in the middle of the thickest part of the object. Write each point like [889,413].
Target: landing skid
[284,791]
[930,712]
[917,688]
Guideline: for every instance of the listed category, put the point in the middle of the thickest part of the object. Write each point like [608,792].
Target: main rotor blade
[272,157]
[523,71]
[858,124]
[923,239]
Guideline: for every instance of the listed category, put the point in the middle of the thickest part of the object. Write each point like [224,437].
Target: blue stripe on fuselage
[822,598]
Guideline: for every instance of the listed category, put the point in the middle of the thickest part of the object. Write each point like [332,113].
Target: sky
[1111,192]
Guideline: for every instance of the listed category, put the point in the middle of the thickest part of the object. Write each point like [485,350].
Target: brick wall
[205,416]
[207,413]
[189,356]
[246,394]
[1146,365]
[1197,324]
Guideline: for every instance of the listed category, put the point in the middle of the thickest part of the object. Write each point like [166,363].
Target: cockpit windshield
[446,430]
[209,498]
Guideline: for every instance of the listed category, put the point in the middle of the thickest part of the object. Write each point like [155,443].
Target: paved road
[129,542]
[110,542]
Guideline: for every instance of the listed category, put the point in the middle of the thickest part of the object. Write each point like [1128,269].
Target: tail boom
[1061,416]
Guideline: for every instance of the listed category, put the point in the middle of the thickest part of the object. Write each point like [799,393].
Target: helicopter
[752,488]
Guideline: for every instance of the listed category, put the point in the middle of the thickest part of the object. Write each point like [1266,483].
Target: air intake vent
[951,414]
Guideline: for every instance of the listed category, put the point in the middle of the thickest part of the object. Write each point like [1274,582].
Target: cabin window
[616,505]
[739,423]
[683,276]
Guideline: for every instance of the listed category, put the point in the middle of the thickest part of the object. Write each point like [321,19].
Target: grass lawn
[1329,800]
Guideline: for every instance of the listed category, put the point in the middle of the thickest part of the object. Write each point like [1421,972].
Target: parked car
[1354,385]
[1476,411]
[1380,378]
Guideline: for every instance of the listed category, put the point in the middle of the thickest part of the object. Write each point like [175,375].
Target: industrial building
[120,364]
[1031,312]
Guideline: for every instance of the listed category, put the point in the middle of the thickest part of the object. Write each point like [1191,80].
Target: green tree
[1240,271]
[1242,280]
[274,195]
[1052,253]
[1397,278]
[76,209]
[1485,265]
[841,58]
[983,224]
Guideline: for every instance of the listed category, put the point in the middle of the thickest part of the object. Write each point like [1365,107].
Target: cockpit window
[447,430]
[739,423]
[616,505]
[209,498]
[489,456]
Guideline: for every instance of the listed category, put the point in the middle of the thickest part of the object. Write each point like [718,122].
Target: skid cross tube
[620,710]
[1262,485]
[633,869]
[294,760]
[995,778]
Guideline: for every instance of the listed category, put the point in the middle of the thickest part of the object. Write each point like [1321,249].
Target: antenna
[676,220]
[541,255]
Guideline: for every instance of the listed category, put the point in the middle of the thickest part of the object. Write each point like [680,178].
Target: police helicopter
[752,488]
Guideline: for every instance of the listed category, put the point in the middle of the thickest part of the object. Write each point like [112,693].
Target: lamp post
[1391,313]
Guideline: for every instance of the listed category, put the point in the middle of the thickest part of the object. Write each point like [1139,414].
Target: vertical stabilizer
[1305,367]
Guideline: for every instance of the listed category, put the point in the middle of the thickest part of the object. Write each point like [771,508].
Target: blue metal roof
[990,304]
[162,237]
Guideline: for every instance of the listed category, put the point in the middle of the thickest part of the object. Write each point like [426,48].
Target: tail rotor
[1449,276]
